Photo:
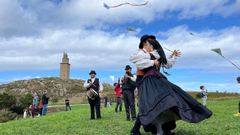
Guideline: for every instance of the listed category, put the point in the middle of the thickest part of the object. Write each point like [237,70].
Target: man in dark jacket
[95,84]
[128,87]
[45,99]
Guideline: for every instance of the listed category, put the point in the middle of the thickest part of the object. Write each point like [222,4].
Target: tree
[26,100]
[7,101]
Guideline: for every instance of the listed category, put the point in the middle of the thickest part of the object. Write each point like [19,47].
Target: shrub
[7,101]
[17,109]
[6,115]
[54,100]
[25,100]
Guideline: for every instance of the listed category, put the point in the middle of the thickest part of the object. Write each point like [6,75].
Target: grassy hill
[76,122]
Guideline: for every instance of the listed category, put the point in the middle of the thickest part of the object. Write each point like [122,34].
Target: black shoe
[168,133]
[135,133]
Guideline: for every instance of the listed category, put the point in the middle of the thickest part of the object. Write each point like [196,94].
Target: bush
[25,100]
[7,101]
[17,109]
[6,115]
[54,100]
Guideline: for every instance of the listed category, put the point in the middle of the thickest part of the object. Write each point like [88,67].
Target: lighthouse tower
[64,67]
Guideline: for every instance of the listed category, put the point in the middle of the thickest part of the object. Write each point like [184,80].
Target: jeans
[44,109]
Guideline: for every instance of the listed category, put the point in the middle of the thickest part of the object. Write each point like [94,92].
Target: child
[67,103]
[203,95]
[25,113]
[30,110]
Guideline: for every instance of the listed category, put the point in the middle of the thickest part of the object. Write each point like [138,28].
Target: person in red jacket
[118,93]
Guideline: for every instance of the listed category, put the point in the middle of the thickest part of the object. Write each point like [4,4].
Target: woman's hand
[176,53]
[156,62]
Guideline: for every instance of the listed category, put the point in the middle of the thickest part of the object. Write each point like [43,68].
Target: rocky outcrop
[53,85]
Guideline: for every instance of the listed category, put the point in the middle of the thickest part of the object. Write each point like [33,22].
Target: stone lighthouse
[64,67]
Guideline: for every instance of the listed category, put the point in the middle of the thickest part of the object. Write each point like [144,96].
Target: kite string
[167,49]
[231,62]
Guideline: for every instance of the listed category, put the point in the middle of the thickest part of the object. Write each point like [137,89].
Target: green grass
[76,122]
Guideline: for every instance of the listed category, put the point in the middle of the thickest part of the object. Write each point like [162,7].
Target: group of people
[38,107]
[160,102]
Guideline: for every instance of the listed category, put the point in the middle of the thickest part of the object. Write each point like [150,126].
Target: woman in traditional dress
[161,101]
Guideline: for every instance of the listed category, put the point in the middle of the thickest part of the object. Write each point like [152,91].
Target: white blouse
[142,59]
[87,85]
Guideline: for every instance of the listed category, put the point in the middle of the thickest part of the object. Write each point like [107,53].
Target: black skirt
[157,95]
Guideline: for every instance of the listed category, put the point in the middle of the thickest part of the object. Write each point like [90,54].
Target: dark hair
[114,84]
[201,87]
[156,45]
[238,79]
[144,38]
[128,67]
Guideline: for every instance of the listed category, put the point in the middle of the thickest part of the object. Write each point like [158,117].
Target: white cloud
[86,49]
[196,49]
[102,50]
[34,34]
[27,18]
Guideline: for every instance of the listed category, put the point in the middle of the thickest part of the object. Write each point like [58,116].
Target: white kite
[111,77]
[125,3]
[218,51]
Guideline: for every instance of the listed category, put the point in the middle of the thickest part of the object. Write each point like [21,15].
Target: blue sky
[34,35]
